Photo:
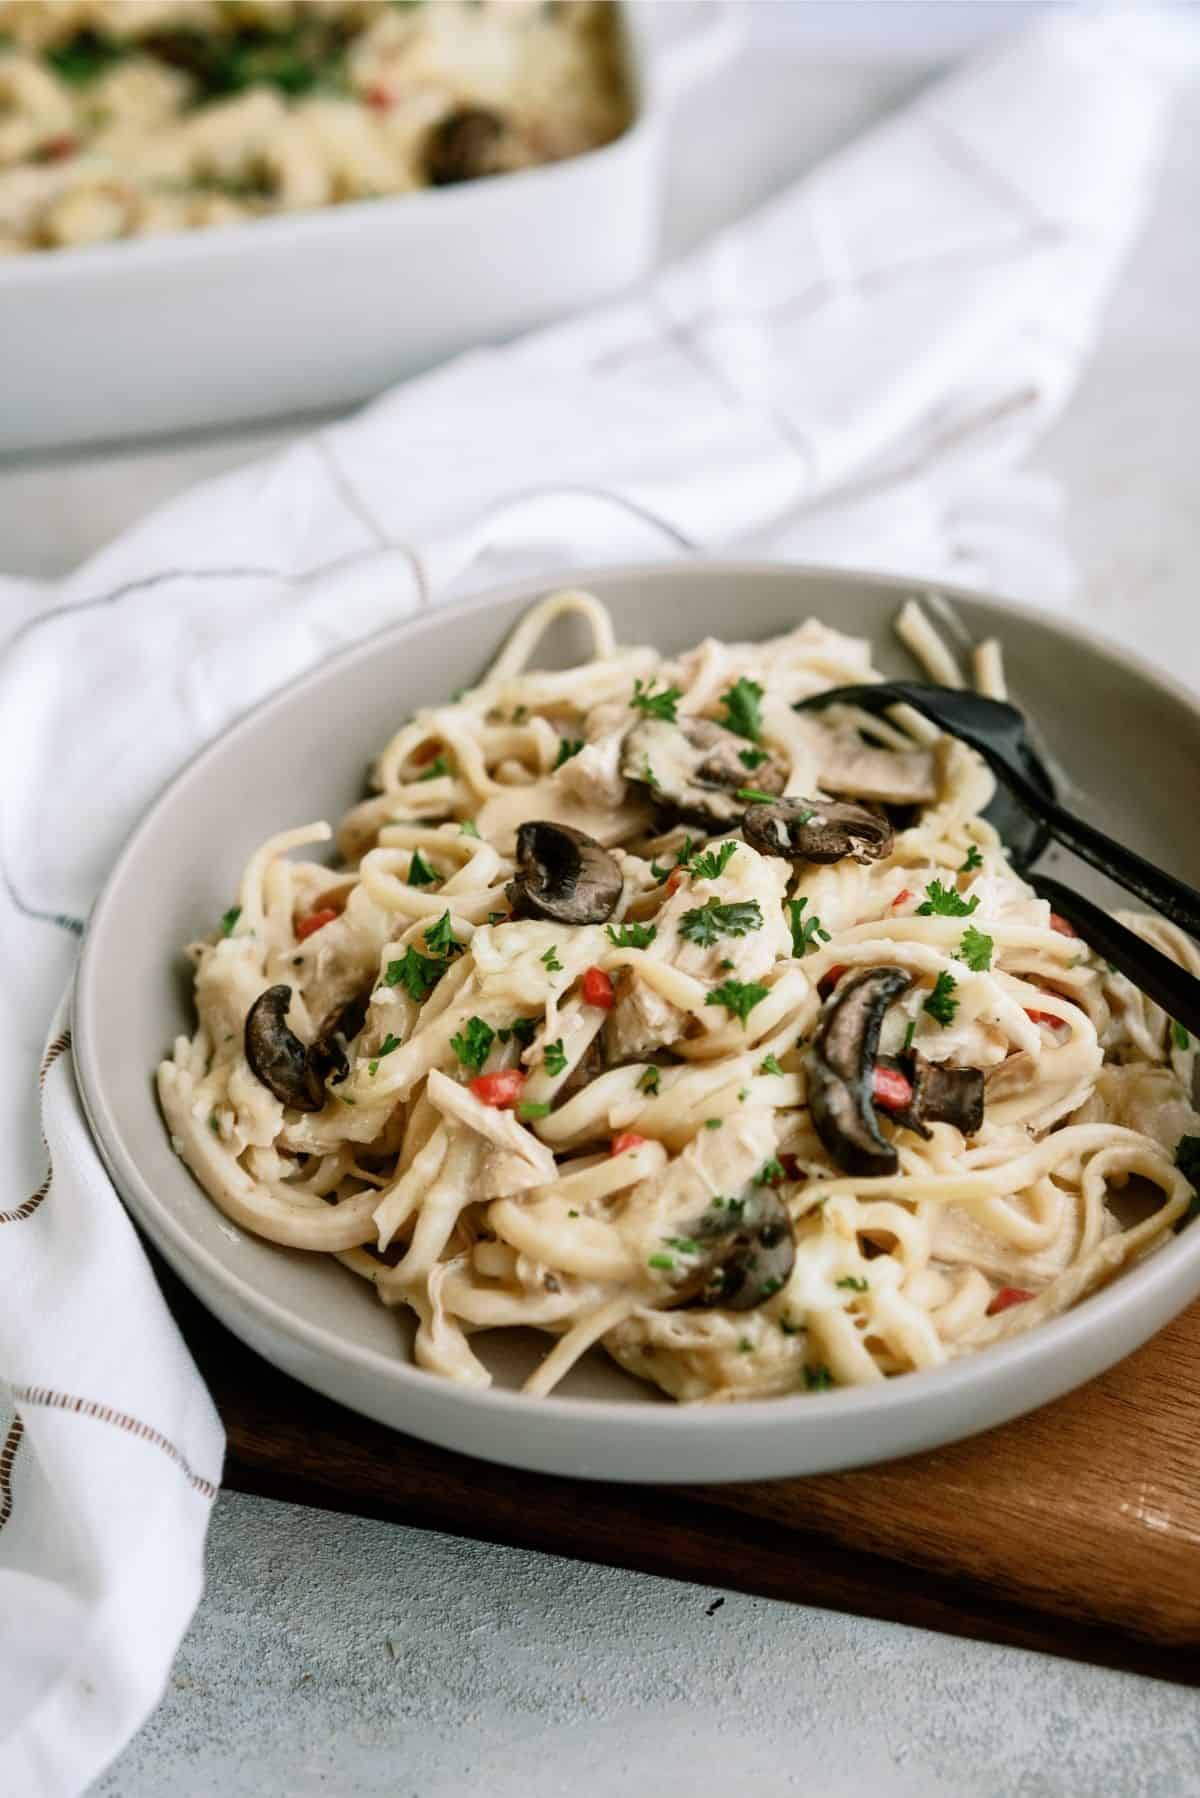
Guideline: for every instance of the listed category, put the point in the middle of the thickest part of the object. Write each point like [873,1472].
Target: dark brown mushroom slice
[328,1055]
[841,1072]
[563,875]
[750,1250]
[463,146]
[276,1055]
[696,768]
[941,1094]
[818,830]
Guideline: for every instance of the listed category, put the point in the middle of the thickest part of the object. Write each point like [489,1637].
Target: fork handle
[1160,978]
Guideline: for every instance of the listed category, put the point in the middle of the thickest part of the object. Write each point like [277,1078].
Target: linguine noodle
[580,1126]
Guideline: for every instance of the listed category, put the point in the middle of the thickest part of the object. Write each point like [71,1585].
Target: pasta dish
[644,1009]
[128,118]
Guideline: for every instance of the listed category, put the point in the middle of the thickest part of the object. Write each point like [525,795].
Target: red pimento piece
[597,989]
[316,920]
[57,149]
[828,981]
[1044,1017]
[901,898]
[1059,923]
[675,880]
[628,1139]
[892,1089]
[791,1166]
[501,1090]
[378,98]
[1008,1295]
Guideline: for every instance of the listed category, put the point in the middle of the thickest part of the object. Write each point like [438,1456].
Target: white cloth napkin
[853,374]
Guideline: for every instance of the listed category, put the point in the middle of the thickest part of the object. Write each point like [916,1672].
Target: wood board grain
[1075,1530]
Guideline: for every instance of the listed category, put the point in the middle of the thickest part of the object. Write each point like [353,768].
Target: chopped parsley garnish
[214,1123]
[974,860]
[84,56]
[648,775]
[655,705]
[550,961]
[850,1284]
[554,1057]
[946,902]
[788,1327]
[420,874]
[807,933]
[910,1033]
[739,997]
[707,922]
[440,937]
[770,1173]
[522,1028]
[498,917]
[520,714]
[437,767]
[417,974]
[1179,1035]
[713,863]
[742,712]
[683,1244]
[681,860]
[229,920]
[650,1080]
[389,1043]
[468,828]
[756,796]
[713,1123]
[631,936]
[533,1108]
[567,748]
[940,1006]
[752,758]
[745,1346]
[572,1214]
[666,1262]
[770,1065]
[818,1379]
[976,950]
[474,1046]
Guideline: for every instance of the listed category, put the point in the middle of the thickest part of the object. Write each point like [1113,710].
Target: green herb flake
[498,917]
[437,767]
[554,1058]
[520,714]
[631,936]
[707,922]
[756,796]
[666,1262]
[568,747]
[683,1244]
[650,1081]
[713,1123]
[818,1379]
[752,758]
[524,1029]
[742,712]
[440,937]
[655,705]
[474,1046]
[648,775]
[214,1123]
[229,920]
[420,874]
[386,1047]
[807,933]
[788,1327]
[660,874]
[572,1214]
[770,1065]
[417,974]
[745,1345]
[713,863]
[1179,1035]
[770,1173]
[468,828]
[974,860]
[946,902]
[976,950]
[739,997]
[550,961]
[849,1284]
[533,1108]
[940,1006]
[909,1034]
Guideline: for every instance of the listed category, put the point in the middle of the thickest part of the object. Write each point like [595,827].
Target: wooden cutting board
[1075,1530]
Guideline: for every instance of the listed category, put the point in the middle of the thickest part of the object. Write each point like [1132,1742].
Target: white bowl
[1132,737]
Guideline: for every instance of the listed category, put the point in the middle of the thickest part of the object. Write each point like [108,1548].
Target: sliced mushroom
[941,1095]
[463,146]
[276,1055]
[751,1250]
[327,1056]
[697,767]
[563,875]
[841,1071]
[818,830]
[856,770]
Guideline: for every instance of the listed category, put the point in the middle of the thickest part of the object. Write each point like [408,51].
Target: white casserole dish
[322,308]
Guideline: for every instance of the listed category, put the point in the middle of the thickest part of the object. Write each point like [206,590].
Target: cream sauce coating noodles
[526,1121]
